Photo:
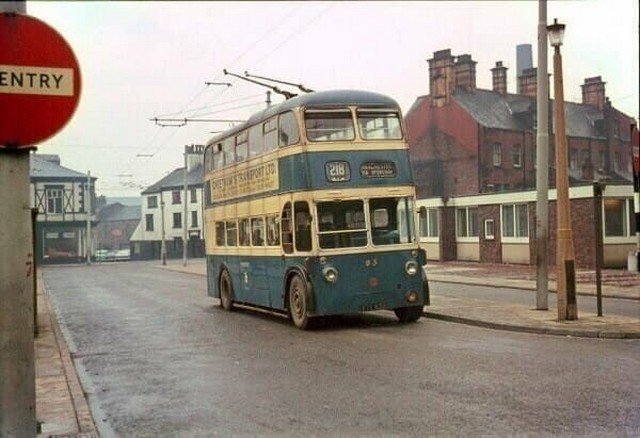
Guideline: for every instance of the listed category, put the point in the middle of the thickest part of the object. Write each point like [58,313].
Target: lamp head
[556,33]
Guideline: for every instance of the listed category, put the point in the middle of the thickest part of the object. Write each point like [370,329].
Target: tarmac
[61,404]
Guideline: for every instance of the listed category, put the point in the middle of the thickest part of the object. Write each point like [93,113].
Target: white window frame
[630,234]
[487,235]
[468,237]
[517,148]
[427,221]
[496,152]
[515,238]
[56,195]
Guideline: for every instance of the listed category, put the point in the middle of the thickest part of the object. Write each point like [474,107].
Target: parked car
[102,255]
[122,255]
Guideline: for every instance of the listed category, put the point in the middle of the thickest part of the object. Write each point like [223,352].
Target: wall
[443,149]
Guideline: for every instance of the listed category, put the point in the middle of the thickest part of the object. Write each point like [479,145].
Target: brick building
[116,224]
[466,142]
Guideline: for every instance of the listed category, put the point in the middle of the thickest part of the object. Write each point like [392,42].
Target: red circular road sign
[39,81]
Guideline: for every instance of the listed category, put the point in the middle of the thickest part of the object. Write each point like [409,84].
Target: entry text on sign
[18,79]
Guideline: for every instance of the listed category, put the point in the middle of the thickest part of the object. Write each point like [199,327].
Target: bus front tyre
[408,314]
[298,302]
[226,291]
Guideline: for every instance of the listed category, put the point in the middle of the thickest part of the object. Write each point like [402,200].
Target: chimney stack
[593,92]
[465,73]
[441,77]
[528,82]
[499,74]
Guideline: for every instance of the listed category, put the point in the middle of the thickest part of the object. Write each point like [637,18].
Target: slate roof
[175,180]
[494,110]
[119,212]
[48,167]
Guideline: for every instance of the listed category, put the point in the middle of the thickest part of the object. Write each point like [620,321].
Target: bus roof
[319,98]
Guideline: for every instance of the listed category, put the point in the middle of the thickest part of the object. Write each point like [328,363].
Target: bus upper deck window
[270,129]
[288,133]
[242,146]
[228,151]
[255,141]
[329,125]
[379,125]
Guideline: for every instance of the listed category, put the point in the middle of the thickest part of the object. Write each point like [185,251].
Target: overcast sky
[141,60]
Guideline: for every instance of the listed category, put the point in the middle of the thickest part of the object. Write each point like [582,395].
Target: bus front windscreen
[341,224]
[392,220]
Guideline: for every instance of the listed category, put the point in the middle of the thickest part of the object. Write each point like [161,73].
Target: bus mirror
[423,212]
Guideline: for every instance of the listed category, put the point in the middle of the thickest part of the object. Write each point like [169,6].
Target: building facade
[465,142]
[116,224]
[162,212]
[64,200]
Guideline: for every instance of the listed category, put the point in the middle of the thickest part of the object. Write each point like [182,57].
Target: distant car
[102,255]
[122,255]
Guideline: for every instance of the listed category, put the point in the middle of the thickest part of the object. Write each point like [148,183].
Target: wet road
[158,359]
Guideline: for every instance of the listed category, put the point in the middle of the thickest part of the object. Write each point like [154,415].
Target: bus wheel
[408,314]
[226,291]
[298,302]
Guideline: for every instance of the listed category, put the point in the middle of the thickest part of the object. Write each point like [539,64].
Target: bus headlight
[330,274]
[411,267]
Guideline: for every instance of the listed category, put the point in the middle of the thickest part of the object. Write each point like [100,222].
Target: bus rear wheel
[226,291]
[408,314]
[298,302]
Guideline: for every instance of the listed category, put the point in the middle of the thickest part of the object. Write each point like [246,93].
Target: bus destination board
[378,169]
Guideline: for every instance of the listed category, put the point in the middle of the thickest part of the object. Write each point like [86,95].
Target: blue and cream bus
[310,210]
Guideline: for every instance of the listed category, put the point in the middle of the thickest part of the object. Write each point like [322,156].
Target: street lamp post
[565,263]
[163,245]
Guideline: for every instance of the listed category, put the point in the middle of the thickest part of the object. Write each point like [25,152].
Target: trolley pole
[542,165]
[184,210]
[87,195]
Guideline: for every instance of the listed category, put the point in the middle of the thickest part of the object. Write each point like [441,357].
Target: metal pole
[17,318]
[565,263]
[163,247]
[597,211]
[268,101]
[184,210]
[87,195]
[542,165]
[34,220]
[17,370]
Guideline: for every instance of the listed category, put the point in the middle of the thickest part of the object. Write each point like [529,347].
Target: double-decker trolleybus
[309,210]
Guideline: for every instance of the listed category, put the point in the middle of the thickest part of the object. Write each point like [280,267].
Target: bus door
[276,278]
[295,224]
[252,286]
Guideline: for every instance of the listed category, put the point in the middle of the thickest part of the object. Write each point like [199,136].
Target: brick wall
[583,231]
[490,250]
[448,234]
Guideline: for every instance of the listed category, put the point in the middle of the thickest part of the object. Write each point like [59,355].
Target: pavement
[61,405]
[62,409]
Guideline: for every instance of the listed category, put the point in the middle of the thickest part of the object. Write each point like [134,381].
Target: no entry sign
[39,81]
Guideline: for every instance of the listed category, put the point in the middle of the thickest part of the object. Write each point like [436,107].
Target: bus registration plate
[373,306]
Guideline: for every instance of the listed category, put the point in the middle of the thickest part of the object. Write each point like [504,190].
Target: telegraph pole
[184,210]
[542,165]
[87,195]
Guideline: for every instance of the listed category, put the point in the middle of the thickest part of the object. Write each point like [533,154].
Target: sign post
[39,91]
